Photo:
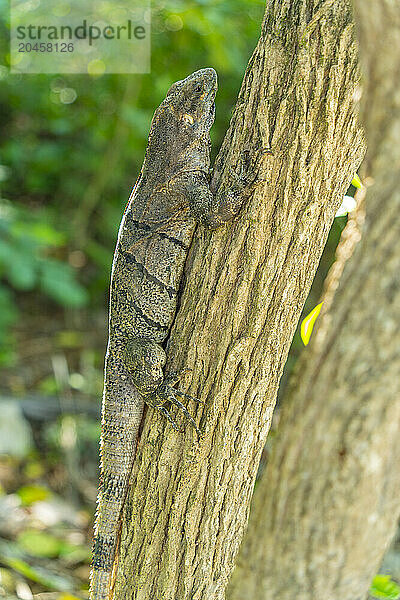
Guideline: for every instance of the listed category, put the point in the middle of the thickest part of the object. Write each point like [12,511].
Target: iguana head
[179,135]
[180,130]
[192,99]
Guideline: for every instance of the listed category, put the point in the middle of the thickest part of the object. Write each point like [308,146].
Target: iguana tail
[121,417]
[100,584]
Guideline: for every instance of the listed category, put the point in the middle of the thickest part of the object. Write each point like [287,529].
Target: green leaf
[6,252]
[12,556]
[40,232]
[357,182]
[22,567]
[32,493]
[49,385]
[57,280]
[38,574]
[383,587]
[39,543]
[8,310]
[22,271]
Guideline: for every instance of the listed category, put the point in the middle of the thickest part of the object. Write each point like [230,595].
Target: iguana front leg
[211,208]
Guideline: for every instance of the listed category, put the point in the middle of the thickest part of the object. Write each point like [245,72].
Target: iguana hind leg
[167,393]
[145,360]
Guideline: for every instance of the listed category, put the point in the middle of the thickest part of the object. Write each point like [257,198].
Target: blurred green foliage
[383,587]
[25,261]
[72,145]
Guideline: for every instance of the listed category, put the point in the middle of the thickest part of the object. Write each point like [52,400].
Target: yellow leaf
[307,324]
[357,182]
[67,597]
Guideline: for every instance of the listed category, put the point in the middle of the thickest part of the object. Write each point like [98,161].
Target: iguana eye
[198,88]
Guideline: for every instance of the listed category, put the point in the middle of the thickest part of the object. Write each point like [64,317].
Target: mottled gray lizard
[171,195]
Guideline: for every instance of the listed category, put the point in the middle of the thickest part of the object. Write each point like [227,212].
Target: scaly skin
[171,196]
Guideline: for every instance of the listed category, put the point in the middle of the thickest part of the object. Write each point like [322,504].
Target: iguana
[171,195]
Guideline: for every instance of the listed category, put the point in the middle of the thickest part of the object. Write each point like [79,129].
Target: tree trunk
[294,128]
[327,504]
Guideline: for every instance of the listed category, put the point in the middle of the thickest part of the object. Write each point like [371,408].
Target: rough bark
[294,125]
[327,505]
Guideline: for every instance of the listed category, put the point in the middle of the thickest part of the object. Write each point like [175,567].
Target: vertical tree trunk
[328,502]
[295,130]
